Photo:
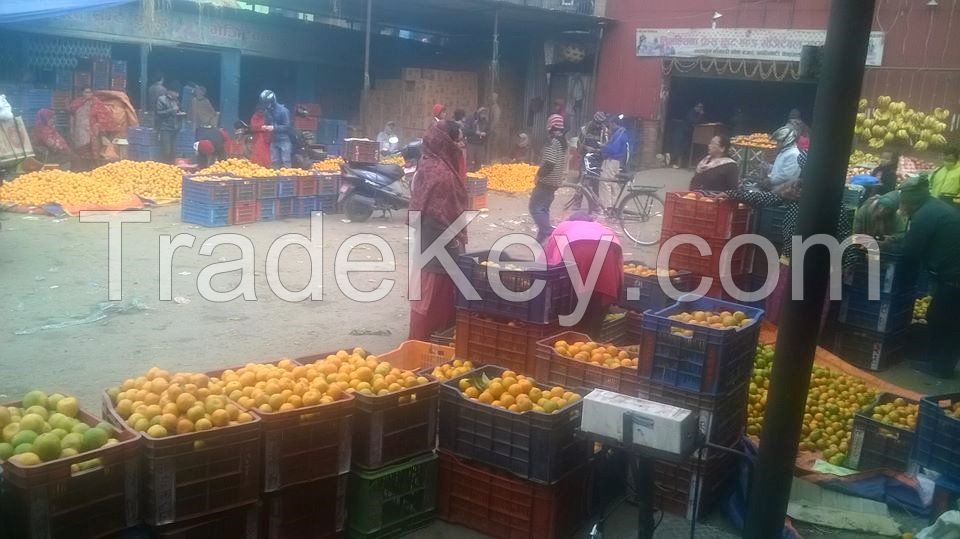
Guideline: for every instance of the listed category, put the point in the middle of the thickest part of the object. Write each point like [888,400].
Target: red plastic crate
[686,256]
[306,186]
[198,474]
[558,370]
[486,339]
[707,217]
[503,506]
[313,109]
[245,212]
[301,123]
[51,500]
[240,522]
[477,202]
[361,151]
[306,511]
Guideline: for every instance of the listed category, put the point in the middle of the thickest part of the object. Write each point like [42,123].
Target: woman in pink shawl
[440,195]
[46,137]
[584,237]
[88,116]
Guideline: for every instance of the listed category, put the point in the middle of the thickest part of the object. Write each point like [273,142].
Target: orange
[184,426]
[495,389]
[185,401]
[486,397]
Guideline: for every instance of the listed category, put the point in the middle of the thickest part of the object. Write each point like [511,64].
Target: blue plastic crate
[334,150]
[268,210]
[697,358]
[141,136]
[286,188]
[36,98]
[205,214]
[144,153]
[327,203]
[207,192]
[889,314]
[284,208]
[304,206]
[891,276]
[938,436]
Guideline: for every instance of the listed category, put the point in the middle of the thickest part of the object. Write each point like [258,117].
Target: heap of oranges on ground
[834,398]
[608,355]
[642,271]
[508,177]
[109,184]
[755,140]
[713,320]
[516,393]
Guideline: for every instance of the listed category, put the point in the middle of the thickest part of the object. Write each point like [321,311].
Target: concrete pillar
[229,87]
[145,79]
[306,83]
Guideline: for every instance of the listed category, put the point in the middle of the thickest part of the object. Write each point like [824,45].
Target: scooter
[368,188]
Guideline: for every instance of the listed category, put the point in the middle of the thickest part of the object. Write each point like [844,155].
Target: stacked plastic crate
[477,192]
[142,144]
[186,136]
[118,75]
[100,69]
[873,333]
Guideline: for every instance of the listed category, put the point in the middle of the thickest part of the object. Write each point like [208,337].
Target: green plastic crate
[393,500]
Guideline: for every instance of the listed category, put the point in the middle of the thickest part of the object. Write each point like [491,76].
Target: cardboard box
[655,425]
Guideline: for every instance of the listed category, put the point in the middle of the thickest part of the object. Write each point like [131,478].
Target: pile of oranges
[511,178]
[642,271]
[331,164]
[106,185]
[364,374]
[608,356]
[243,168]
[516,393]
[721,320]
[755,140]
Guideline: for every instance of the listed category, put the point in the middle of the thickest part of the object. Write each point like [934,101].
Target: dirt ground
[54,271]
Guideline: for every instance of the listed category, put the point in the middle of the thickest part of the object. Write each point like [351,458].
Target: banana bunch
[891,122]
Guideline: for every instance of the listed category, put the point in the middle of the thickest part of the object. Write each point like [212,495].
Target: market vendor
[441,197]
[887,171]
[211,145]
[931,241]
[945,181]
[716,171]
[786,167]
[878,217]
[583,238]
[88,115]
[48,140]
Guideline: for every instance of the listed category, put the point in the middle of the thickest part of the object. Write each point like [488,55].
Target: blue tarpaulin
[26,10]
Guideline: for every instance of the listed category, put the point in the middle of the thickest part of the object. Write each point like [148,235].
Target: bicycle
[638,208]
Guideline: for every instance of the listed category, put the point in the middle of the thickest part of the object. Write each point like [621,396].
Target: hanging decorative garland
[757,70]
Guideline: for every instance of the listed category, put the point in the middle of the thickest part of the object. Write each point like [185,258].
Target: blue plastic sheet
[12,11]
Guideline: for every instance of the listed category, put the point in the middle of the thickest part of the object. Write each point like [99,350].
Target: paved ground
[55,271]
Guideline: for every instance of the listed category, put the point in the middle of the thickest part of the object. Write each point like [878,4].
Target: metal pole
[495,60]
[596,68]
[833,119]
[366,51]
[145,78]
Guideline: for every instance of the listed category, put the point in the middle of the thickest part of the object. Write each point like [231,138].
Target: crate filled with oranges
[505,419]
[574,360]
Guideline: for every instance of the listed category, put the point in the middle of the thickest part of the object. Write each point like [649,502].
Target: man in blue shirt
[277,122]
[614,152]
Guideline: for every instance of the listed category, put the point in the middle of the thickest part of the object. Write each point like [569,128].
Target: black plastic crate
[393,500]
[642,293]
[712,361]
[938,435]
[306,511]
[875,444]
[533,445]
[556,298]
[770,223]
[889,314]
[721,417]
[866,349]
[892,277]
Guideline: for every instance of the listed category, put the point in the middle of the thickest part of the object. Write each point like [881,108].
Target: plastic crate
[892,277]
[642,293]
[556,298]
[711,361]
[284,208]
[709,217]
[938,436]
[144,153]
[393,500]
[476,186]
[889,314]
[286,188]
[197,474]
[305,186]
[754,162]
[306,511]
[686,257]
[143,136]
[675,484]
[477,202]
[402,424]
[304,123]
[328,183]
[874,444]
[532,445]
[634,332]
[485,339]
[51,500]
[499,505]
[208,215]
[207,192]
[243,213]
[721,417]
[268,210]
[445,337]
[770,223]
[328,203]
[361,151]
[238,523]
[245,190]
[867,349]
[555,369]
[853,195]
[118,67]
[613,328]
[267,188]
[304,206]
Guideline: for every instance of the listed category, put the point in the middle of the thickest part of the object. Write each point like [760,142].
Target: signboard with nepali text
[739,43]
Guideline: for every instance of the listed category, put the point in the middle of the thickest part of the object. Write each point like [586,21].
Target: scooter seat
[393,171]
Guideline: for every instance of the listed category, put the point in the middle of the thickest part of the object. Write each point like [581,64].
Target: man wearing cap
[931,240]
[439,115]
[550,176]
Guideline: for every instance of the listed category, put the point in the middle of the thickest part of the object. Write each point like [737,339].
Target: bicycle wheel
[641,217]
[578,198]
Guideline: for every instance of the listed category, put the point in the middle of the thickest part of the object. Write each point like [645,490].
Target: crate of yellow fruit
[705,345]
[504,419]
[65,473]
[642,290]
[200,451]
[574,360]
[883,434]
[306,421]
[395,408]
[938,434]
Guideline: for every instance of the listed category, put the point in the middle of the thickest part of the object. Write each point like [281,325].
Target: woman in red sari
[440,195]
[46,137]
[87,117]
[260,148]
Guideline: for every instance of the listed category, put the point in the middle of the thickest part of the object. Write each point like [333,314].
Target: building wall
[919,64]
